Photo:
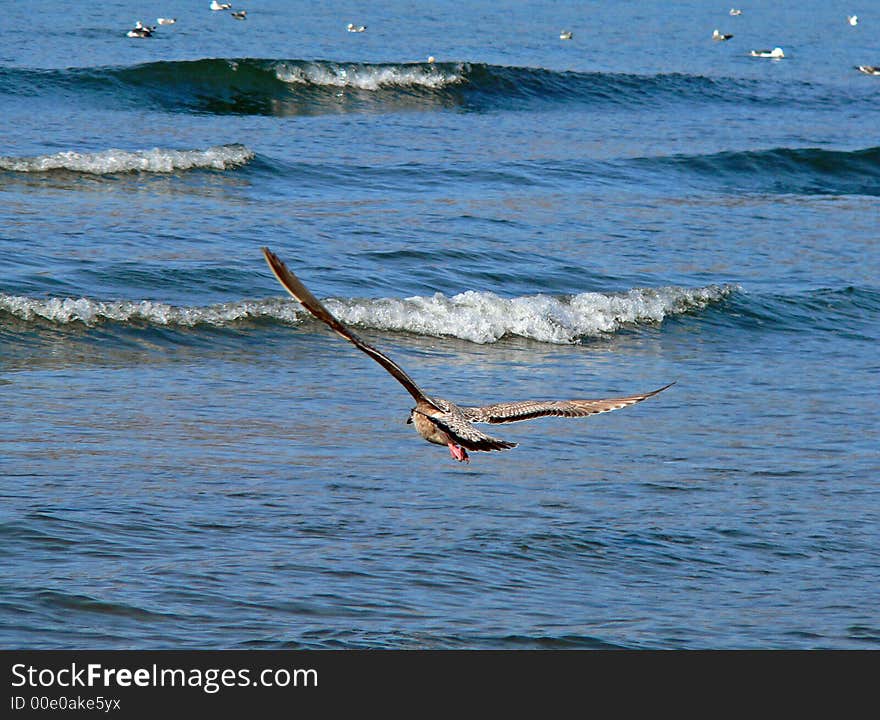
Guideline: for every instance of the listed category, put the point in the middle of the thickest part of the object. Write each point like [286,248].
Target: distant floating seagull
[869,69]
[141,31]
[355,28]
[852,20]
[775,53]
[240,15]
[166,21]
[720,36]
[735,12]
[220,6]
[565,35]
[440,421]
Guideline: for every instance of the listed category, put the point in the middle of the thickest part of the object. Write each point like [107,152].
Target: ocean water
[187,460]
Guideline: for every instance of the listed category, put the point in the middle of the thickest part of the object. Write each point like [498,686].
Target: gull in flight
[440,421]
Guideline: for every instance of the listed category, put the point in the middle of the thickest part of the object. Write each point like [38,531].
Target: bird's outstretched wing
[294,286]
[528,409]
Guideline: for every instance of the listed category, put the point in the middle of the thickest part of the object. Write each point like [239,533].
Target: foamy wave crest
[370,77]
[483,317]
[479,317]
[157,160]
[68,311]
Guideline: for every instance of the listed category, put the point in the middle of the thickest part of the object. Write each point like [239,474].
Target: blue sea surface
[189,460]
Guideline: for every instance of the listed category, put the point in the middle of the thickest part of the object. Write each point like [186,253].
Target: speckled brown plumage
[516,411]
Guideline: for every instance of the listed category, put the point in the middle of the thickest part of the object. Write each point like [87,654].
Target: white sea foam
[479,317]
[484,317]
[157,160]
[369,77]
[67,311]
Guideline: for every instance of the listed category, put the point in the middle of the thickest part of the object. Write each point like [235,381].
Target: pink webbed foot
[458,452]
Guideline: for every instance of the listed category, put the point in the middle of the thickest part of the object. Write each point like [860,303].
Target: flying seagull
[440,421]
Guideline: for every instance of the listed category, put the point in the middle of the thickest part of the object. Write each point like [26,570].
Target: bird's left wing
[294,286]
[529,409]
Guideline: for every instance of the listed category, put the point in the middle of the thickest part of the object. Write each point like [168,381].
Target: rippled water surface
[189,460]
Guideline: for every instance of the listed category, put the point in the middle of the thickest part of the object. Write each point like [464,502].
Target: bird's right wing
[529,409]
[294,286]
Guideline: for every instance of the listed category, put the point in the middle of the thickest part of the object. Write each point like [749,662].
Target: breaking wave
[266,86]
[157,160]
[774,170]
[247,86]
[364,76]
[479,317]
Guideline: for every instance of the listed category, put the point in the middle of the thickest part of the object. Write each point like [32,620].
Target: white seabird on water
[351,27]
[734,12]
[565,35]
[140,30]
[775,53]
[220,6]
[852,20]
[869,69]
[240,15]
[166,21]
[720,36]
